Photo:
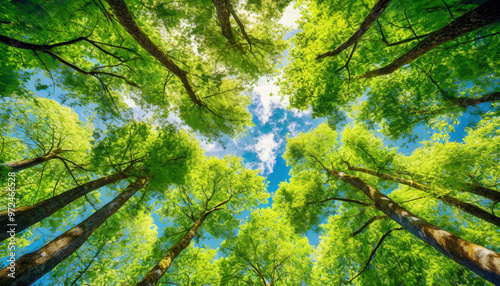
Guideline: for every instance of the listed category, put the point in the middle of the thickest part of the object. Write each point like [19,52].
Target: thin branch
[373,253]
[366,224]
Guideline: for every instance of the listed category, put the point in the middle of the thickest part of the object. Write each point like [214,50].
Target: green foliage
[427,90]
[97,64]
[402,258]
[266,251]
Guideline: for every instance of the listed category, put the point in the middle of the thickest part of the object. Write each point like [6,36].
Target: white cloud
[210,147]
[292,127]
[129,101]
[266,149]
[299,113]
[290,16]
[267,90]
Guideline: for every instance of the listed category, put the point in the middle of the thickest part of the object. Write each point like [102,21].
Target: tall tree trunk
[30,267]
[481,260]
[483,192]
[486,14]
[124,16]
[466,102]
[374,14]
[159,270]
[466,207]
[29,215]
[28,163]
[225,24]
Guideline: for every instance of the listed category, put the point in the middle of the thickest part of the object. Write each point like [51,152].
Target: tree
[193,75]
[145,149]
[36,264]
[414,44]
[266,251]
[217,191]
[317,159]
[106,257]
[47,130]
[194,266]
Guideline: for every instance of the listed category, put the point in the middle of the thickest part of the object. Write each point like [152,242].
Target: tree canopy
[131,131]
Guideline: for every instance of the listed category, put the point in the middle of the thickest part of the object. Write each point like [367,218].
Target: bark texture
[124,16]
[375,13]
[30,267]
[466,102]
[483,192]
[486,14]
[223,15]
[482,261]
[28,215]
[28,163]
[159,270]
[451,201]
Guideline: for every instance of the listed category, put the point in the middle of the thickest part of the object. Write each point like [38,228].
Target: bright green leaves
[297,200]
[165,154]
[355,227]
[266,251]
[223,187]
[433,87]
[97,64]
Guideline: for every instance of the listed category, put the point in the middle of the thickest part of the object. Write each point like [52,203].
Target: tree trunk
[28,163]
[225,24]
[486,14]
[482,261]
[466,207]
[375,13]
[466,102]
[28,215]
[30,267]
[123,15]
[159,270]
[483,192]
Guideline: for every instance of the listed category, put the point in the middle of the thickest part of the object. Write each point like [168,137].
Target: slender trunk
[374,14]
[486,14]
[238,21]
[483,192]
[34,47]
[123,15]
[223,15]
[28,163]
[159,270]
[481,260]
[30,267]
[466,207]
[29,215]
[466,102]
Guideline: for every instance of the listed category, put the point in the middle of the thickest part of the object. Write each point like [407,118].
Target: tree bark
[124,16]
[486,14]
[466,102]
[466,207]
[159,270]
[224,15]
[374,14]
[483,192]
[28,215]
[28,163]
[482,261]
[30,267]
